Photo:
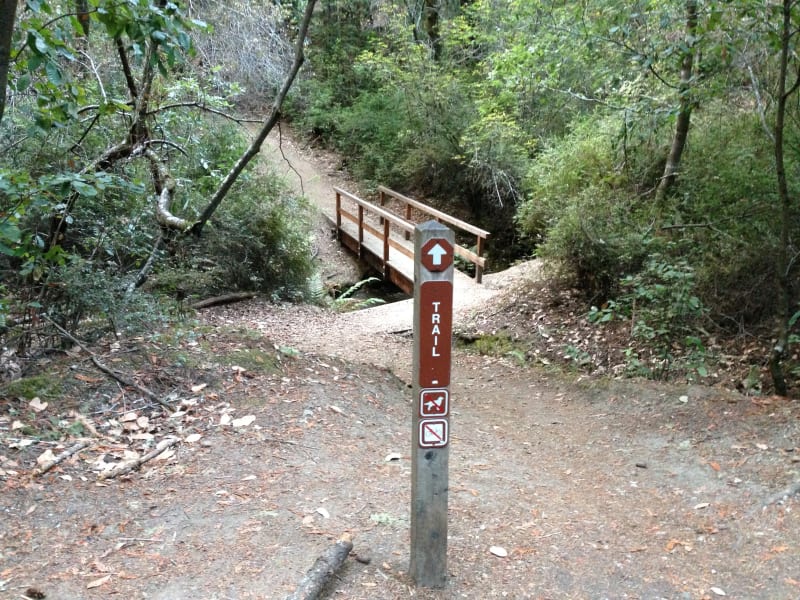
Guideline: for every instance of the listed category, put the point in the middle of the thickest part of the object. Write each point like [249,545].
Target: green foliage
[45,386]
[76,221]
[394,115]
[260,238]
[261,243]
[370,133]
[580,211]
[341,34]
[46,56]
[728,189]
[347,302]
[666,318]
[500,344]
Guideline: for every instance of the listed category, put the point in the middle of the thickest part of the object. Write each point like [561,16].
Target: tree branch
[126,67]
[166,143]
[315,580]
[100,366]
[144,272]
[127,467]
[165,187]
[762,111]
[8,10]
[74,449]
[204,107]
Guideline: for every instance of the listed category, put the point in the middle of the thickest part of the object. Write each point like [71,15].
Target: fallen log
[326,565]
[226,299]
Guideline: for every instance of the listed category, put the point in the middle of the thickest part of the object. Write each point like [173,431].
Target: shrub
[666,319]
[727,189]
[261,243]
[370,131]
[580,212]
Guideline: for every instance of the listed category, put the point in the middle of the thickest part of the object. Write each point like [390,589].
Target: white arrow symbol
[437,252]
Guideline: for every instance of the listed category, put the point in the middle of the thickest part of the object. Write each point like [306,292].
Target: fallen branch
[74,449]
[101,367]
[226,299]
[128,382]
[324,568]
[127,467]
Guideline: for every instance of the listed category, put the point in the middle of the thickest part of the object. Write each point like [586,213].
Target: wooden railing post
[360,228]
[383,202]
[478,267]
[338,214]
[408,218]
[386,233]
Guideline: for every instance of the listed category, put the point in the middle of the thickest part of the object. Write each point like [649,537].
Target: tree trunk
[782,263]
[269,123]
[82,8]
[8,12]
[430,19]
[685,108]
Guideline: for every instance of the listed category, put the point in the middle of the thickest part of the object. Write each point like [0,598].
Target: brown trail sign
[433,332]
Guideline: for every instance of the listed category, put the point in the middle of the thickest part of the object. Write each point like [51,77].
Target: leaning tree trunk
[782,262]
[269,123]
[685,108]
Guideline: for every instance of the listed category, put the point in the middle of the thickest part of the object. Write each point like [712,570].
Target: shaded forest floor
[292,426]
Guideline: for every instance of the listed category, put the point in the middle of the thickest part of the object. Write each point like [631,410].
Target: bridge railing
[409,205]
[384,222]
[383,232]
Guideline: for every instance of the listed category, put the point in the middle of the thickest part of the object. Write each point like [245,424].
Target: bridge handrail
[481,234]
[437,214]
[388,218]
[406,226]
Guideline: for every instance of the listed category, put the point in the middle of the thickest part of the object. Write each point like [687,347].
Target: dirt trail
[597,488]
[374,330]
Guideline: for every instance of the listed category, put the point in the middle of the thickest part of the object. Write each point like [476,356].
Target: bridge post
[430,430]
[338,215]
[479,252]
[360,229]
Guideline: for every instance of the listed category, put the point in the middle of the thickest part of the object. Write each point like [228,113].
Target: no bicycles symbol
[433,433]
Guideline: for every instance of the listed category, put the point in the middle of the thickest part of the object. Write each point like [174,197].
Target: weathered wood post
[433,327]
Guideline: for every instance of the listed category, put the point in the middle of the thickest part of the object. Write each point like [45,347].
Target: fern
[345,301]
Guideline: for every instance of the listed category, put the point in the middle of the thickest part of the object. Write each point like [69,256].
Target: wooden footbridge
[382,235]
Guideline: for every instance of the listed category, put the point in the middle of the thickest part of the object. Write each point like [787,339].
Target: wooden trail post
[433,332]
